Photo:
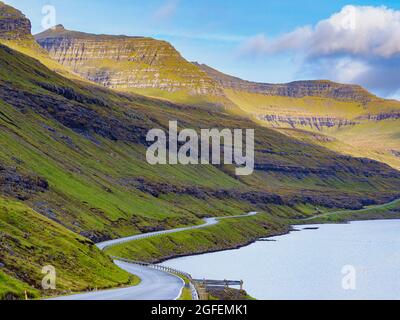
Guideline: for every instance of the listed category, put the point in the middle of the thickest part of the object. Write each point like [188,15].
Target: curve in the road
[207,222]
[155,284]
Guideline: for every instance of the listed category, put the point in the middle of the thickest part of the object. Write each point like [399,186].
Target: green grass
[227,234]
[29,241]
[186,291]
[372,139]
[93,179]
[387,211]
[11,288]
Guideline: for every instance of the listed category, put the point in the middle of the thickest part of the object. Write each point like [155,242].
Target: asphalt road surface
[207,222]
[155,284]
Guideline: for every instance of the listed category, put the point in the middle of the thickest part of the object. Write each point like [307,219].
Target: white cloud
[354,30]
[260,44]
[166,11]
[358,44]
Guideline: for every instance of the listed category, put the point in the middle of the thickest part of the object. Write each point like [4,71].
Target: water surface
[308,264]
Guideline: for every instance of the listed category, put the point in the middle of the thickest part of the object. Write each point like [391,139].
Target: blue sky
[219,32]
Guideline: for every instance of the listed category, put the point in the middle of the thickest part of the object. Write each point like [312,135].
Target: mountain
[75,155]
[344,118]
[345,114]
[297,89]
[15,32]
[13,24]
[135,64]
[73,171]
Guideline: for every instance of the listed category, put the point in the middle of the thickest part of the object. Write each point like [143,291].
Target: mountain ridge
[295,89]
[82,147]
[126,62]
[346,114]
[15,32]
[73,164]
[13,23]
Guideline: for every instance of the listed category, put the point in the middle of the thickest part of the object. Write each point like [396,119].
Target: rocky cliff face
[15,33]
[123,62]
[13,24]
[345,118]
[316,123]
[297,89]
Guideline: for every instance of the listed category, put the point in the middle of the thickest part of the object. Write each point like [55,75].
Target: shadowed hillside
[73,172]
[352,120]
[81,154]
[360,123]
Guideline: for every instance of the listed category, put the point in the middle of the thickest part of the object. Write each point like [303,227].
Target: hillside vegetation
[344,118]
[73,172]
[76,154]
[346,113]
[29,242]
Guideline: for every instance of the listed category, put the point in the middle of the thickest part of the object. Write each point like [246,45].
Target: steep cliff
[359,122]
[123,62]
[76,155]
[73,170]
[15,33]
[13,24]
[296,89]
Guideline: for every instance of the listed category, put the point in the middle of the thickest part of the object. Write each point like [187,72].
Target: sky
[259,40]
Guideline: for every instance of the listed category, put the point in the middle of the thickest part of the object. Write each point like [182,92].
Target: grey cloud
[359,44]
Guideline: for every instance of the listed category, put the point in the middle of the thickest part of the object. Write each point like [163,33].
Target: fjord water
[308,264]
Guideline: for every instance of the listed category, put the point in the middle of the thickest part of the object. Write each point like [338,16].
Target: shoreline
[291,229]
[239,246]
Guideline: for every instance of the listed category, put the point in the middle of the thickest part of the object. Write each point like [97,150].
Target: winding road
[155,284]
[207,222]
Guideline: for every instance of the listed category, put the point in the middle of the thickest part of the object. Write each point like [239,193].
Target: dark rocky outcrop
[13,24]
[381,116]
[159,189]
[74,115]
[20,185]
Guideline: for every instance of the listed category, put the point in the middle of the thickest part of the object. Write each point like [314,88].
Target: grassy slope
[88,174]
[29,241]
[93,173]
[32,49]
[381,145]
[373,139]
[11,288]
[227,234]
[387,211]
